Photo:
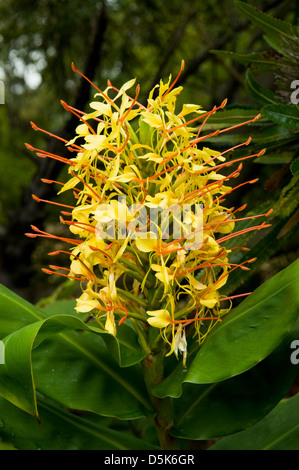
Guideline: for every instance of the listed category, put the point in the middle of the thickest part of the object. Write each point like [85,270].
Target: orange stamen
[106,97]
[69,108]
[234,296]
[36,128]
[36,198]
[132,105]
[48,271]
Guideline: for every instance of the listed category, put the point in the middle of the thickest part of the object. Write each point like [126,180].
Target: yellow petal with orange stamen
[210,299]
[147,245]
[160,318]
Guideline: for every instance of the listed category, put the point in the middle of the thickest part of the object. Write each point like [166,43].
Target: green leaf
[251,331]
[277,47]
[16,312]
[273,27]
[271,137]
[17,382]
[283,114]
[232,116]
[279,430]
[124,348]
[235,404]
[258,92]
[268,242]
[246,336]
[275,158]
[263,59]
[79,372]
[61,429]
[146,132]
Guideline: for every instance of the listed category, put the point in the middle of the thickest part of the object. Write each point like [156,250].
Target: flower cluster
[132,159]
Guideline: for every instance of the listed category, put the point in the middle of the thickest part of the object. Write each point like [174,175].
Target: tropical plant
[151,354]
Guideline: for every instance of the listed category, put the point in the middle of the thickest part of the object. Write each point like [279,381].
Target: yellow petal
[147,244]
[95,142]
[110,324]
[161,318]
[154,120]
[209,300]
[85,303]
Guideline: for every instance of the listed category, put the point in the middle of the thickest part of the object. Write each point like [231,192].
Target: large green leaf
[284,114]
[78,371]
[251,331]
[218,409]
[258,92]
[273,27]
[124,348]
[61,429]
[263,59]
[232,116]
[246,336]
[271,137]
[17,382]
[279,430]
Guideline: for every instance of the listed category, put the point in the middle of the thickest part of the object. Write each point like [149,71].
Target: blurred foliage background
[226,54]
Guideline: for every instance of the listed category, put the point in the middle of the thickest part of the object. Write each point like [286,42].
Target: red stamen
[41,233]
[93,277]
[132,105]
[130,98]
[48,271]
[87,185]
[34,126]
[106,97]
[101,251]
[235,234]
[36,198]
[234,296]
[88,227]
[69,108]
[228,220]
[175,81]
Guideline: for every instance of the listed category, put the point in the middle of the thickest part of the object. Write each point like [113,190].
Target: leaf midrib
[86,427]
[195,403]
[114,375]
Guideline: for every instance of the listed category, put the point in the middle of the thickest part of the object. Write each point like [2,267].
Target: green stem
[157,296]
[139,277]
[131,265]
[153,375]
[143,303]
[142,337]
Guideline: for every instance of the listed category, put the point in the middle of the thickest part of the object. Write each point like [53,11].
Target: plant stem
[153,375]
[133,297]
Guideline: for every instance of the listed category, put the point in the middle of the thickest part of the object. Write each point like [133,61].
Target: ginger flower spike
[148,226]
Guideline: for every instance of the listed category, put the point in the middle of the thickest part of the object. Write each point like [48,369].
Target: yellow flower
[121,175]
[160,318]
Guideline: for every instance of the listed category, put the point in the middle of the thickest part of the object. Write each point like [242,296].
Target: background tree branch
[15,246]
